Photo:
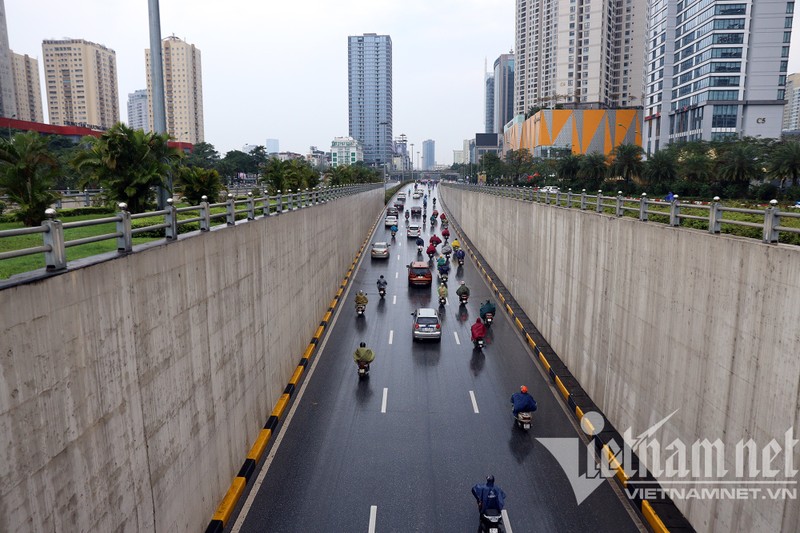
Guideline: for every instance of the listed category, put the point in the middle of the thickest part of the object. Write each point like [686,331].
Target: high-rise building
[489,103]
[791,111]
[8,102]
[346,151]
[183,90]
[369,90]
[273,146]
[27,90]
[580,53]
[503,92]
[139,110]
[715,70]
[428,154]
[81,79]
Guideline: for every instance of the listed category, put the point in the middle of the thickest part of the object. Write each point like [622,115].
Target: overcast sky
[278,68]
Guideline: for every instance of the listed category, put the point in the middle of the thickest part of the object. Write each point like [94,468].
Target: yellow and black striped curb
[661,514]
[236,489]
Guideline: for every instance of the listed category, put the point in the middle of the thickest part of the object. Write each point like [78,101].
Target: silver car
[427,324]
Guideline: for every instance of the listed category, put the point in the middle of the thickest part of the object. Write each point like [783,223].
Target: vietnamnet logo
[703,469]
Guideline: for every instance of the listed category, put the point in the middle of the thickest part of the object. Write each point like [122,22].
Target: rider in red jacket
[435,240]
[478,330]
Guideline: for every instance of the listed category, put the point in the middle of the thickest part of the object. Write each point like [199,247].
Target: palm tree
[695,167]
[739,164]
[567,168]
[593,170]
[195,182]
[785,162]
[128,163]
[27,173]
[627,162]
[660,169]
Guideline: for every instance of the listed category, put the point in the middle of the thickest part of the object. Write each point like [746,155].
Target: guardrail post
[56,257]
[251,206]
[558,197]
[280,202]
[205,214]
[715,216]
[85,197]
[675,212]
[124,240]
[619,203]
[315,195]
[265,207]
[58,202]
[583,200]
[308,198]
[171,219]
[290,201]
[230,208]
[599,201]
[569,198]
[643,207]
[772,220]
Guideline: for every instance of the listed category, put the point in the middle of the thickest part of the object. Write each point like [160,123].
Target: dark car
[416,211]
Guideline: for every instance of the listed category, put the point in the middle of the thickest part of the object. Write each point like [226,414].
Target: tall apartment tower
[791,112]
[27,89]
[81,79]
[489,103]
[588,54]
[503,92]
[715,70]
[369,91]
[183,90]
[8,102]
[428,154]
[139,110]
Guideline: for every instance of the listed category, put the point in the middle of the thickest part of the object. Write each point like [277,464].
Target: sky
[278,68]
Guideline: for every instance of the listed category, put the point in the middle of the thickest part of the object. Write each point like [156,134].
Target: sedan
[380,250]
[427,324]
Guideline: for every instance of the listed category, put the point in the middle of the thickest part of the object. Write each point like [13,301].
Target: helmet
[363,344]
[463,282]
[490,479]
[523,389]
[381,276]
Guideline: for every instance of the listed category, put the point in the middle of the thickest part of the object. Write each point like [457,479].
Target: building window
[724,116]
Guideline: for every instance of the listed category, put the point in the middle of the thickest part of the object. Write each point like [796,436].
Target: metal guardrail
[54,246]
[771,227]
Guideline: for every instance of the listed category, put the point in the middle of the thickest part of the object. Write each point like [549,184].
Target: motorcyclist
[393,229]
[523,402]
[420,241]
[431,249]
[361,299]
[447,249]
[435,212]
[441,261]
[407,215]
[445,234]
[487,307]
[382,283]
[435,240]
[456,244]
[443,216]
[442,291]
[444,269]
[434,202]
[489,496]
[433,220]
[478,330]
[363,355]
[462,290]
[460,255]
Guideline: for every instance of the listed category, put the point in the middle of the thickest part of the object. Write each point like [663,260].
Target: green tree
[592,171]
[492,165]
[567,168]
[194,182]
[27,173]
[128,164]
[518,163]
[660,170]
[203,155]
[784,163]
[627,162]
[739,164]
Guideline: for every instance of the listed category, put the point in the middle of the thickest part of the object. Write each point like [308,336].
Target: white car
[390,221]
[549,188]
[413,231]
[427,325]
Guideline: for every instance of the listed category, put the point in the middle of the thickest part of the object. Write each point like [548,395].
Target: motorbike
[443,277]
[447,254]
[394,233]
[360,309]
[463,299]
[460,261]
[430,255]
[523,420]
[491,522]
[433,222]
[363,370]
[382,291]
[478,343]
[419,250]
[442,301]
[489,319]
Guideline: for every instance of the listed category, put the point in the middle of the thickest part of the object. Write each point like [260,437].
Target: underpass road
[400,450]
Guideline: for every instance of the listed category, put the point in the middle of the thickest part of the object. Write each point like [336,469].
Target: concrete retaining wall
[651,319]
[131,390]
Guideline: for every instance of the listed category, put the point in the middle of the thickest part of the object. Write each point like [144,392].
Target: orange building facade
[583,130]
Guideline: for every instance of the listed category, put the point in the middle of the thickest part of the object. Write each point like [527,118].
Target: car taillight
[416,326]
[437,326]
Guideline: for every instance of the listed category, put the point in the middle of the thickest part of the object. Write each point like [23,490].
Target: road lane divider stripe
[647,510]
[373,518]
[506,521]
[383,401]
[474,402]
[391,336]
[229,501]
[455,334]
